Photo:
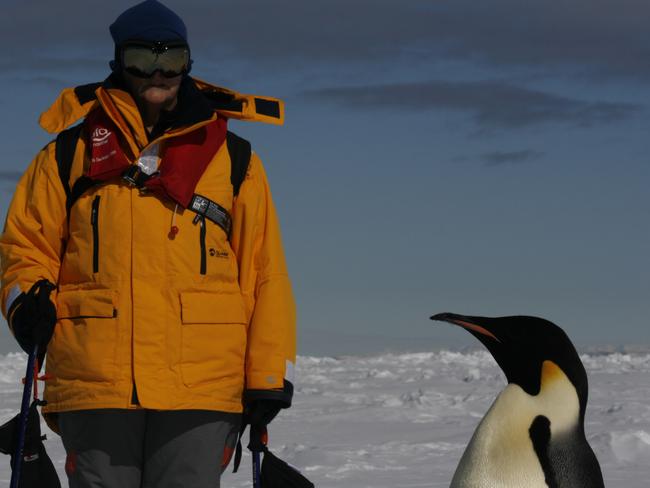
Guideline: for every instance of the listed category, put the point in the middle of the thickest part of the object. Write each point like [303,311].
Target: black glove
[259,413]
[32,317]
[261,406]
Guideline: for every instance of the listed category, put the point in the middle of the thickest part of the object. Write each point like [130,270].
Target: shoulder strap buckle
[204,207]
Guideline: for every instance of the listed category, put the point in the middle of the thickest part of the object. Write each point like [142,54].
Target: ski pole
[24,415]
[257,482]
[257,445]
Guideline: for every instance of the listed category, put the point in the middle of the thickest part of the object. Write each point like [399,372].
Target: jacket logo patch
[218,254]
[100,136]
[107,159]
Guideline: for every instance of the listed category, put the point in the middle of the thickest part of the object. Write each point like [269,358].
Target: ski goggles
[143,59]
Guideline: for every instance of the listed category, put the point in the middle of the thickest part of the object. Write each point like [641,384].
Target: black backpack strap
[240,156]
[66,144]
[81,186]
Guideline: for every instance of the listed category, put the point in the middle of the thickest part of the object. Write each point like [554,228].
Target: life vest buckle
[134,176]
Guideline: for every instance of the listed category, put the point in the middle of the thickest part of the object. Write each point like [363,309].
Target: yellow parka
[138,325]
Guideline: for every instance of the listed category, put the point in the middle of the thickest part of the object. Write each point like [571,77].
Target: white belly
[496,458]
[500,453]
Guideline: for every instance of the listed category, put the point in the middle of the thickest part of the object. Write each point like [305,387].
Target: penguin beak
[468,323]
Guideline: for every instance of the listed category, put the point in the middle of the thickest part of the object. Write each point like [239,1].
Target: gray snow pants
[147,448]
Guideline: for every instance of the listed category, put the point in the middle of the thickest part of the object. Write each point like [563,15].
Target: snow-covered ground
[403,420]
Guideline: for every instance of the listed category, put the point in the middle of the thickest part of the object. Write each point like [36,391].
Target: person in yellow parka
[144,252]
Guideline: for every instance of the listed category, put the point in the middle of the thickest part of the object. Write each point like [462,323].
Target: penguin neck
[501,450]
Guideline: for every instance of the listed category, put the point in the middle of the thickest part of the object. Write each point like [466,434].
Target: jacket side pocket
[213,337]
[84,344]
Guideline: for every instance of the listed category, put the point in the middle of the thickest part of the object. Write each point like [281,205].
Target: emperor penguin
[533,435]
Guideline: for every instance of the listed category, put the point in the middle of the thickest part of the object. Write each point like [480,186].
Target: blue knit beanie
[148,21]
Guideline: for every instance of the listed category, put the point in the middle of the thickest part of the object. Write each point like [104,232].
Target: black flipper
[540,434]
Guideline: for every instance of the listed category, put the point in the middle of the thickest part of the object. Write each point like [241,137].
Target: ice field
[403,420]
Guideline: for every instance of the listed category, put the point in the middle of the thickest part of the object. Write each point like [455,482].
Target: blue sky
[487,158]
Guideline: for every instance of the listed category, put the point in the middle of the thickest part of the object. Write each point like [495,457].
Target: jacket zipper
[203,252]
[94,221]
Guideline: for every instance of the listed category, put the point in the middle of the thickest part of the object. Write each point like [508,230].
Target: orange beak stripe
[476,328]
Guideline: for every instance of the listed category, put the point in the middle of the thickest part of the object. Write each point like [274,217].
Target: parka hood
[75,103]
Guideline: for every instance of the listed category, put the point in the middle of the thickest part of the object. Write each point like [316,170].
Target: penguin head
[521,345]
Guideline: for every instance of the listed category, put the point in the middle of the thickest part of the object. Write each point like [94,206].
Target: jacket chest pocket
[85,248]
[214,224]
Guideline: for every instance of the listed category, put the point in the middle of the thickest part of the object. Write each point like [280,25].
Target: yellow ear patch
[551,372]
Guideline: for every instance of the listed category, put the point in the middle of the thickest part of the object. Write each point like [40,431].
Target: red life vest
[184,158]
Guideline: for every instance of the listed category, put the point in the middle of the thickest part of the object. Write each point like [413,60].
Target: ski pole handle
[24,415]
